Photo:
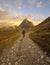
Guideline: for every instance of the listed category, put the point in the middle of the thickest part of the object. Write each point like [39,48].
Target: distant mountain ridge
[44,26]
[46,21]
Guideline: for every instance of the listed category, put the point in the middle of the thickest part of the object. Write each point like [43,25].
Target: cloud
[41,16]
[46,3]
[36,19]
[6,13]
[3,14]
[12,3]
[16,16]
[29,15]
[36,22]
[16,3]
[19,3]
[39,4]
[35,2]
[42,3]
[49,1]
[31,2]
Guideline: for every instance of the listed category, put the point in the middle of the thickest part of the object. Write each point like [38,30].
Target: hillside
[7,36]
[41,34]
[44,26]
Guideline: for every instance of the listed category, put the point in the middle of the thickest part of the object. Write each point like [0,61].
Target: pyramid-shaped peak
[26,24]
[25,20]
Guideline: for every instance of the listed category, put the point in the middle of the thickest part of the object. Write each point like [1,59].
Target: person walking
[23,32]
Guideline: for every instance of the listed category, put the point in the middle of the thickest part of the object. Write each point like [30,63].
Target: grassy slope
[7,38]
[42,40]
[41,35]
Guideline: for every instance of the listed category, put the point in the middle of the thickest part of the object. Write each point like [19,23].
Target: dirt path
[24,52]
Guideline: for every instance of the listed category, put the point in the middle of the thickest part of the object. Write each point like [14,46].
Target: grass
[7,38]
[42,40]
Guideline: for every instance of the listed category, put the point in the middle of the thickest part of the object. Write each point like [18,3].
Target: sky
[14,11]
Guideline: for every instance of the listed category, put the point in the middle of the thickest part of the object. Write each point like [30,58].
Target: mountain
[26,24]
[44,26]
[41,34]
[46,21]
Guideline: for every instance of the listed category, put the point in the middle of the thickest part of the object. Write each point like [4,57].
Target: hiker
[23,32]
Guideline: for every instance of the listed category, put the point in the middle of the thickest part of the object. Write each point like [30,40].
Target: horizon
[13,12]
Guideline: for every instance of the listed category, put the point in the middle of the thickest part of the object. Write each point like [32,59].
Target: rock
[42,56]
[9,63]
[16,63]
